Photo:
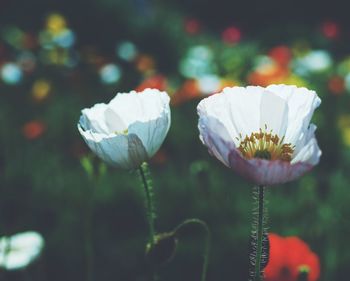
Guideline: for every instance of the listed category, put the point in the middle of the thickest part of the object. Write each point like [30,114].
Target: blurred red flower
[330,29]
[288,256]
[281,54]
[33,129]
[192,26]
[231,35]
[336,85]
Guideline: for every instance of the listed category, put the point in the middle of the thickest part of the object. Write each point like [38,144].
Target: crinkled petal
[215,136]
[301,104]
[94,118]
[237,109]
[153,132]
[111,149]
[145,106]
[310,152]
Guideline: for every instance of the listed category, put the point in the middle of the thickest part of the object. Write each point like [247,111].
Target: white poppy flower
[262,133]
[20,250]
[129,130]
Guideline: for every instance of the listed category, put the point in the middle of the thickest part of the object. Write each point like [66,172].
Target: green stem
[204,225]
[148,187]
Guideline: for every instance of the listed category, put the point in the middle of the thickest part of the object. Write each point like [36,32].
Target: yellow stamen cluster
[265,145]
[125,132]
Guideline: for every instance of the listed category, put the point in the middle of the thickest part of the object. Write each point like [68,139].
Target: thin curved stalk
[204,226]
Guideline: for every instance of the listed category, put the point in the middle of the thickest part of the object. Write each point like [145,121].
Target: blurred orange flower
[188,91]
[155,82]
[269,74]
[145,64]
[288,258]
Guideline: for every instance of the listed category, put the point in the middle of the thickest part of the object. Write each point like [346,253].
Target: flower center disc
[265,145]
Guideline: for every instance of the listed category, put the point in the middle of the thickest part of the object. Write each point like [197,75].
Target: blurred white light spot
[20,250]
[110,74]
[11,73]
[209,84]
[126,51]
[347,82]
[315,61]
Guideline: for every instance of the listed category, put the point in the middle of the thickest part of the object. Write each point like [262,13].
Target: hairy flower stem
[205,227]
[259,252]
[259,234]
[148,187]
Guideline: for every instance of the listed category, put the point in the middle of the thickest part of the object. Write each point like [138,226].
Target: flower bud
[163,248]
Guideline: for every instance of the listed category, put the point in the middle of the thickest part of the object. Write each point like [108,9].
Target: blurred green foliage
[43,185]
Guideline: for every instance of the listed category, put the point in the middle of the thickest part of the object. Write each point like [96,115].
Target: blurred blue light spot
[126,51]
[11,73]
[197,62]
[65,39]
[110,74]
[200,52]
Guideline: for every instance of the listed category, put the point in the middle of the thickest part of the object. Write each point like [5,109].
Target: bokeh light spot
[126,50]
[11,73]
[110,74]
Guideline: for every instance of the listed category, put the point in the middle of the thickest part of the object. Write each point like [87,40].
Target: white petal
[19,250]
[301,104]
[143,106]
[265,172]
[114,122]
[237,108]
[310,152]
[273,113]
[122,151]
[215,136]
[94,118]
[153,132]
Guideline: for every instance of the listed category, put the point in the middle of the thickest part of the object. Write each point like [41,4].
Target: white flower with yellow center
[264,134]
[129,130]
[20,250]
